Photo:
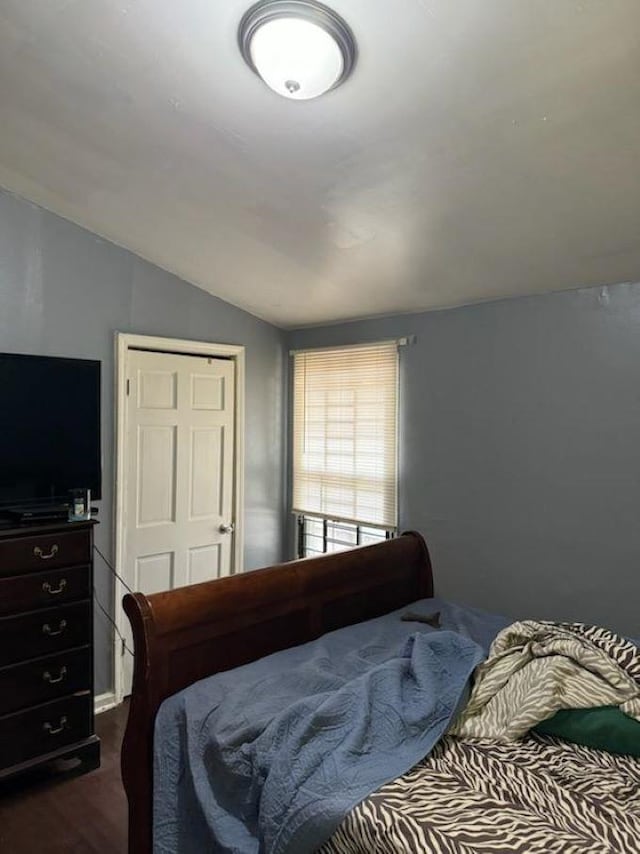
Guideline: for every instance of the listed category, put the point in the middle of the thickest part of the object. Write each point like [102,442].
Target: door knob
[227,529]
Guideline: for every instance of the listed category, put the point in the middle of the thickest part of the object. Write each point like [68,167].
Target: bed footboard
[184,635]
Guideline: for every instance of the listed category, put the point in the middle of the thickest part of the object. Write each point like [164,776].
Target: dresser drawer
[44,551]
[43,589]
[44,679]
[44,632]
[44,729]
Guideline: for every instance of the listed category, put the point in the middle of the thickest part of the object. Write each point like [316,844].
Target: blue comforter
[273,755]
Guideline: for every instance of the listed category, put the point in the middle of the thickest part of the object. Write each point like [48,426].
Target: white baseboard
[104,702]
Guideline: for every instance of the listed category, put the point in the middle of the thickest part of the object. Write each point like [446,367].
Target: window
[345,445]
[317,536]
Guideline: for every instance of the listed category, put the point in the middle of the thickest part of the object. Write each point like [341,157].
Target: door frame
[125,341]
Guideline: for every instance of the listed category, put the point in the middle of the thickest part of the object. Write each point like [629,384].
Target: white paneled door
[179,469]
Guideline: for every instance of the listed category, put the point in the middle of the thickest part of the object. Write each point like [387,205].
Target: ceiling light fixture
[300,48]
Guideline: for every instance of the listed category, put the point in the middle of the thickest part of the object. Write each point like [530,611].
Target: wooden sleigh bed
[184,635]
[491,794]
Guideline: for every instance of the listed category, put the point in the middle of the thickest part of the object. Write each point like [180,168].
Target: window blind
[345,433]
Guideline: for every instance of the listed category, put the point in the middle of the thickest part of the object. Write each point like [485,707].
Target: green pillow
[605,727]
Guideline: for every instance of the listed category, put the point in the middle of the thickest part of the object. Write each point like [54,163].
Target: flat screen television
[49,428]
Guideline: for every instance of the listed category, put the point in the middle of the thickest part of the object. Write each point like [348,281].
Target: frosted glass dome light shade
[300,49]
[296,58]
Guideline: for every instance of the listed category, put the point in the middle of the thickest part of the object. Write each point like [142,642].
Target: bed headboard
[189,633]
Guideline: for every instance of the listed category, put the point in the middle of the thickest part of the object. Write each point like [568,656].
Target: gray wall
[520,449]
[64,292]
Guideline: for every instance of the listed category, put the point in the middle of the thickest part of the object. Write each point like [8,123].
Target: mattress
[341,746]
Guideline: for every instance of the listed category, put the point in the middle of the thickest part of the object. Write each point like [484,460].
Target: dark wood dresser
[46,646]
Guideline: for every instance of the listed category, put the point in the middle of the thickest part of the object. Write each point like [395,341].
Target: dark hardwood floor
[45,813]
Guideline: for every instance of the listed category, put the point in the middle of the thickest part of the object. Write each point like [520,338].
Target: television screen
[49,428]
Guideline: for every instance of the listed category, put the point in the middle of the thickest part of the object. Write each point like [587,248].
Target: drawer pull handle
[53,633]
[54,591]
[37,551]
[54,680]
[47,727]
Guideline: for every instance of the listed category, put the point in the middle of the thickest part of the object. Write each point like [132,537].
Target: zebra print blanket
[490,792]
[535,796]
[534,669]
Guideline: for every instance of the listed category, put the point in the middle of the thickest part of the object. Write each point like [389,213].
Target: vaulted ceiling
[481,149]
